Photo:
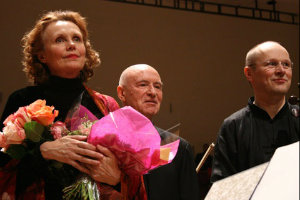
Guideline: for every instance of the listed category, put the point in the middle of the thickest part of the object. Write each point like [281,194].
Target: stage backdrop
[200,56]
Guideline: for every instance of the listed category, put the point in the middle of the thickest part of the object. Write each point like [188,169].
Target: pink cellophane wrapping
[80,115]
[133,139]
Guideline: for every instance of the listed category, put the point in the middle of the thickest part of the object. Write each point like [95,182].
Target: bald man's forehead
[265,50]
[140,71]
[136,73]
[143,75]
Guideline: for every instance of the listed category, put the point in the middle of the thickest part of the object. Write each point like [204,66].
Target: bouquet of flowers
[134,141]
[23,130]
[26,125]
[27,128]
[137,145]
[127,133]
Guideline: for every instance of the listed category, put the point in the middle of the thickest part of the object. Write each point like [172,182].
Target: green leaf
[16,151]
[34,131]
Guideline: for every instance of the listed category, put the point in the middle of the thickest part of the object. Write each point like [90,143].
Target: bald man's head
[140,87]
[257,52]
[269,71]
[129,71]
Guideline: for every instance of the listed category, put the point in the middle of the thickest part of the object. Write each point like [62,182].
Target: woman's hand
[72,150]
[107,171]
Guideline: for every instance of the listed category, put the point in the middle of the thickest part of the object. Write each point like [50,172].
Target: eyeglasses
[275,64]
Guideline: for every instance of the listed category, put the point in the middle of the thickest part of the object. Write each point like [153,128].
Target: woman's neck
[64,83]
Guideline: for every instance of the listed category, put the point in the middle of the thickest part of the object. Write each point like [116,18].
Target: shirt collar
[263,114]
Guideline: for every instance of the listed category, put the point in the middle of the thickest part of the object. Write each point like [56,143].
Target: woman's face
[64,50]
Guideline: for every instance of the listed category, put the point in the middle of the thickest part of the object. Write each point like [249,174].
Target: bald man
[140,87]
[250,136]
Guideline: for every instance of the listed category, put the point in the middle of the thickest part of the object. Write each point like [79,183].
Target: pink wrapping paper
[79,116]
[134,141]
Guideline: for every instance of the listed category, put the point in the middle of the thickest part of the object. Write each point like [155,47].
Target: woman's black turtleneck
[62,94]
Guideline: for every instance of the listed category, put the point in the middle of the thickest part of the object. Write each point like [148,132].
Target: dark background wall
[200,56]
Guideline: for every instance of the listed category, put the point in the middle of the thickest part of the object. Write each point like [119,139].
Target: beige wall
[200,56]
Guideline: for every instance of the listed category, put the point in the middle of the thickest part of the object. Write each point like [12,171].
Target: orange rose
[41,113]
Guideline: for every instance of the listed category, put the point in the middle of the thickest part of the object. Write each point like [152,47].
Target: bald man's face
[272,73]
[142,91]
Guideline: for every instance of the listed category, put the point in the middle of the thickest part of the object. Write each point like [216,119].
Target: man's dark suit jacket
[176,180]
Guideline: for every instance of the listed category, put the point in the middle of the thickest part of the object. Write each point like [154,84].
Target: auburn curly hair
[36,71]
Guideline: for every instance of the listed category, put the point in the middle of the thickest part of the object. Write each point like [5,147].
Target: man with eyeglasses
[250,136]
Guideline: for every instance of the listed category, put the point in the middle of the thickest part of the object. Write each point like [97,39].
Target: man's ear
[42,57]
[120,92]
[248,72]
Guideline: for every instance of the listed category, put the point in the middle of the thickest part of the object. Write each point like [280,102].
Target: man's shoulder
[238,115]
[168,137]
[165,134]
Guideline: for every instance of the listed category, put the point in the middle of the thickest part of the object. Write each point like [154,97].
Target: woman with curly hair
[58,60]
